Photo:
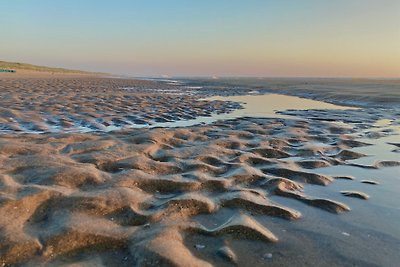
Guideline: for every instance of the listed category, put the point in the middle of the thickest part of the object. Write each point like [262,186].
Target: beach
[103,171]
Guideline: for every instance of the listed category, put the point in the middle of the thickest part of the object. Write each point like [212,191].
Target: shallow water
[268,105]
[265,106]
[366,235]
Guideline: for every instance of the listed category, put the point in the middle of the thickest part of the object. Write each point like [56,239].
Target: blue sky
[219,37]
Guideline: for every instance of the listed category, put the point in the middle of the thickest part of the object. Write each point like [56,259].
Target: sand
[76,104]
[205,195]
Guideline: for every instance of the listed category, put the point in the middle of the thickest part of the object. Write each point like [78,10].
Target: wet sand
[246,191]
[76,104]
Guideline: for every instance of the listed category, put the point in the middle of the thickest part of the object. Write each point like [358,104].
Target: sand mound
[387,163]
[240,226]
[355,194]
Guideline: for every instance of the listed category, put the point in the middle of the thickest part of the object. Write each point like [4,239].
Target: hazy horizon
[271,39]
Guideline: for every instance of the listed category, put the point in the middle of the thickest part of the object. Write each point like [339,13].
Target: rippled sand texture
[77,104]
[162,197]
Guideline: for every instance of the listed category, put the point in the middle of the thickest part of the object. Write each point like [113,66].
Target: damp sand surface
[249,191]
[90,104]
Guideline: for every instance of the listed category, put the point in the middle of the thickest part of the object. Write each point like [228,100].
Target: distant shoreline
[24,69]
[21,74]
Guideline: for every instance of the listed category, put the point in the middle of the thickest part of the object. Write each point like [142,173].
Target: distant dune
[43,69]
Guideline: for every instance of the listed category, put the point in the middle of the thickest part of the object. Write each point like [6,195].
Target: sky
[281,38]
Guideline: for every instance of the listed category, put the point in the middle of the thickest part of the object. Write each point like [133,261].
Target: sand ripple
[139,192]
[96,104]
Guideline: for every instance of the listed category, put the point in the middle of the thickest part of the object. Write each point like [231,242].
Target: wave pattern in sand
[133,197]
[96,104]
